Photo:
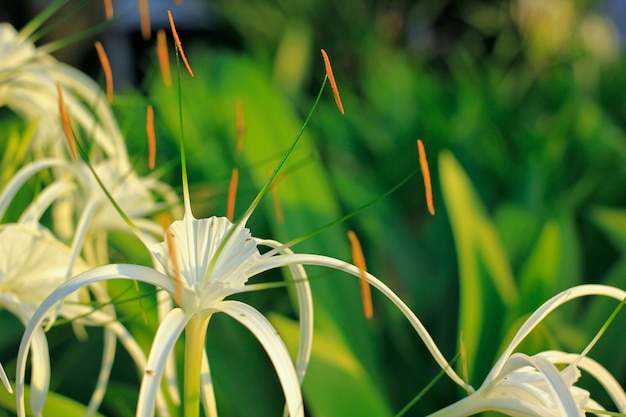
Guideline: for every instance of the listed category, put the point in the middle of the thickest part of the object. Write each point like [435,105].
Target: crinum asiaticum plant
[203,263]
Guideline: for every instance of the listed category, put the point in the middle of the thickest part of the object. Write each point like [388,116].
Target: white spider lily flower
[522,385]
[28,79]
[33,264]
[208,260]
[81,207]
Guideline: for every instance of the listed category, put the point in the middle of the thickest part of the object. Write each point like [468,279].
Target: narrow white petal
[599,372]
[547,308]
[165,338]
[20,177]
[273,345]
[206,388]
[40,368]
[305,309]
[319,260]
[134,272]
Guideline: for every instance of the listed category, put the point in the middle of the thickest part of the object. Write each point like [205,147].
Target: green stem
[195,333]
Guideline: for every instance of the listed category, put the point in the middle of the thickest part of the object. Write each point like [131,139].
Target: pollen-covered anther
[108,9]
[359,261]
[178,43]
[240,126]
[278,208]
[144,17]
[426,174]
[106,67]
[164,58]
[331,78]
[66,123]
[232,194]
[151,136]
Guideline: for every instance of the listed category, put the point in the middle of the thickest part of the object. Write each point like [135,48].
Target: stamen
[426,174]
[178,44]
[108,9]
[164,58]
[463,353]
[170,240]
[151,136]
[359,261]
[278,209]
[232,194]
[106,67]
[240,128]
[66,123]
[331,78]
[144,17]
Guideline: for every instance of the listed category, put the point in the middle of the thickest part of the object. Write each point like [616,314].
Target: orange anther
[178,44]
[106,67]
[108,9]
[232,194]
[164,58]
[278,209]
[151,136]
[359,261]
[426,174]
[331,78]
[144,17]
[66,123]
[240,127]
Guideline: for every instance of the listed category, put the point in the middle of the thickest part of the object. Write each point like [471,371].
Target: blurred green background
[521,107]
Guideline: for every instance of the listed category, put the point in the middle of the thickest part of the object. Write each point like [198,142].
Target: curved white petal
[166,336]
[36,209]
[5,380]
[91,317]
[107,272]
[278,261]
[26,172]
[599,372]
[40,372]
[305,308]
[206,388]
[269,338]
[547,308]
[522,369]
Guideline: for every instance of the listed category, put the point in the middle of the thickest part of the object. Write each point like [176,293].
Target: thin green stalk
[243,219]
[195,334]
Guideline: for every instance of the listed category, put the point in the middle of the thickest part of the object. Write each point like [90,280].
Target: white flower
[28,79]
[214,259]
[522,385]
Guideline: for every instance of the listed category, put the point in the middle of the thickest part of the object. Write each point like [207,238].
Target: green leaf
[331,356]
[487,287]
[56,405]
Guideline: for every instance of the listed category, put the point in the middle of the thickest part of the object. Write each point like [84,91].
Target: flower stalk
[195,335]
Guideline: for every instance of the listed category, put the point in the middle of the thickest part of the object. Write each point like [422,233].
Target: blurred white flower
[28,79]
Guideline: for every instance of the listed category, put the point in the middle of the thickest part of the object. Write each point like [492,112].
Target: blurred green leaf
[331,396]
[487,287]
